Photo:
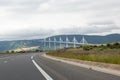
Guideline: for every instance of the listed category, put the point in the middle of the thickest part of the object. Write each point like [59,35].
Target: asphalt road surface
[35,67]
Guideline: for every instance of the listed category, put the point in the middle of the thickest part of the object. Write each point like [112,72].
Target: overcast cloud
[34,19]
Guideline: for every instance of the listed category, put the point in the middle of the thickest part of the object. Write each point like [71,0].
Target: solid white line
[42,71]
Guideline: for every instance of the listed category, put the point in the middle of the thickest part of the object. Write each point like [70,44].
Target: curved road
[26,67]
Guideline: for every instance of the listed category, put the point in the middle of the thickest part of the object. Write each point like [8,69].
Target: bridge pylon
[74,42]
[55,44]
[67,41]
[49,41]
[60,40]
[83,41]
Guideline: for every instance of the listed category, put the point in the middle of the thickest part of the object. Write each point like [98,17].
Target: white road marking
[5,61]
[31,57]
[42,71]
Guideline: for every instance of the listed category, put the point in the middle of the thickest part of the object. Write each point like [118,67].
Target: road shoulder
[102,67]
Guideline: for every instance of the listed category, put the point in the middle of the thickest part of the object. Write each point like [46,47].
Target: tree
[108,45]
[116,45]
[12,51]
[37,50]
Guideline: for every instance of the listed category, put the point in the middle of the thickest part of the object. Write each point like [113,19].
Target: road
[26,67]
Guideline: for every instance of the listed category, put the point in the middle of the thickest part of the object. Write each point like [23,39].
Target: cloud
[27,34]
[28,19]
[99,29]
[90,29]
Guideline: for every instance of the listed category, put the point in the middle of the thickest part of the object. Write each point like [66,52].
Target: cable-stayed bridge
[53,44]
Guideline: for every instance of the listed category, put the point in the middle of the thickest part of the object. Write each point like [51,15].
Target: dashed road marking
[5,61]
[31,57]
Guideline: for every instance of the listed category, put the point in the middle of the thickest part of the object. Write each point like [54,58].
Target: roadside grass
[96,54]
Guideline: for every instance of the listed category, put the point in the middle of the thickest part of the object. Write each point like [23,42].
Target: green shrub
[116,45]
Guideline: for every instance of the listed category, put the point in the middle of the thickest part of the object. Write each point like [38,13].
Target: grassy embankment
[109,53]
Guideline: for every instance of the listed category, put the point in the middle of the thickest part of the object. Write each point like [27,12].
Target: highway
[33,66]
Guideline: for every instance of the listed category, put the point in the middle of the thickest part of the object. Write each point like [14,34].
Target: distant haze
[34,19]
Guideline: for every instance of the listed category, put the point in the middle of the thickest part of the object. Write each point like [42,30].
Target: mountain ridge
[92,39]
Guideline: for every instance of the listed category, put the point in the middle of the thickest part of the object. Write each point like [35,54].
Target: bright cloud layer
[29,19]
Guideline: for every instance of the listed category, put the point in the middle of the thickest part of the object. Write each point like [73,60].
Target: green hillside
[92,39]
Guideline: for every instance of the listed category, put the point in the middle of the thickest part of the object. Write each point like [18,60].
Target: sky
[35,19]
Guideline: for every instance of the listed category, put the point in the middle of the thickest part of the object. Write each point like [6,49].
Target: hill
[93,39]
[12,45]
